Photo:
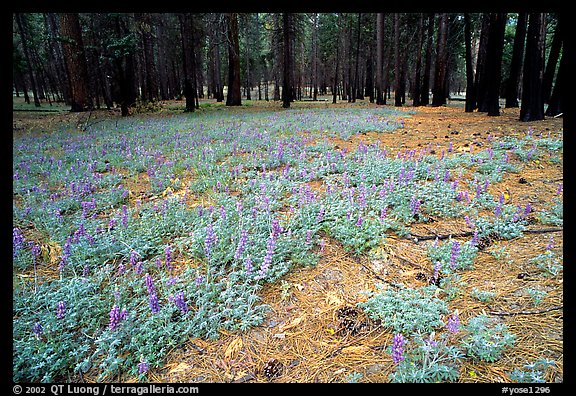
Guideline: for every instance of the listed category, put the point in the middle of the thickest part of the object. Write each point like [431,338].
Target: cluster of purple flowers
[180,302]
[17,241]
[398,348]
[87,206]
[37,329]
[61,310]
[271,244]
[169,257]
[453,324]
[241,244]
[210,240]
[116,316]
[143,367]
[415,205]
[454,254]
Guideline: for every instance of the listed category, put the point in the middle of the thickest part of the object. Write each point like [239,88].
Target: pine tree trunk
[516,63]
[234,97]
[470,97]
[397,62]
[286,80]
[532,106]
[551,65]
[23,29]
[379,59]
[439,89]
[418,67]
[425,91]
[75,60]
[494,63]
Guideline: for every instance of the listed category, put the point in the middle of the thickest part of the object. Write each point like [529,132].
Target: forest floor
[304,329]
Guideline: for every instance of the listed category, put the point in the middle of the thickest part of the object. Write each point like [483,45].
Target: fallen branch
[417,238]
[527,312]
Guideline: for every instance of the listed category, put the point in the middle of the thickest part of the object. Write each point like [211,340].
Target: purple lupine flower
[468,222]
[17,241]
[268,258]
[454,254]
[415,205]
[550,243]
[383,213]
[168,255]
[123,314]
[528,209]
[172,280]
[248,266]
[180,302]
[37,329]
[133,257]
[210,240]
[398,348]
[124,216]
[121,269]
[61,310]
[321,214]
[86,271]
[149,284]
[498,209]
[143,367]
[114,318]
[111,224]
[308,237]
[154,307]
[158,262]
[453,323]
[241,244]
[359,221]
[475,238]
[559,190]
[198,280]
[276,229]
[447,176]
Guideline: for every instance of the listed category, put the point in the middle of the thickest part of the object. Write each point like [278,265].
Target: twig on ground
[527,312]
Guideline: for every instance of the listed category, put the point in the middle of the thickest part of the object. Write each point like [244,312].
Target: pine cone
[272,368]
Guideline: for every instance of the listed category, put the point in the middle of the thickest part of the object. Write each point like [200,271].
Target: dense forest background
[107,60]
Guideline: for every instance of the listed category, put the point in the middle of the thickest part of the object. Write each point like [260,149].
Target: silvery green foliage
[406,310]
[487,338]
[554,215]
[532,372]
[428,360]
[483,295]
[452,255]
[548,262]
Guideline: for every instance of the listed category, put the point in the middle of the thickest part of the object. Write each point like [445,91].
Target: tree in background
[439,93]
[513,81]
[532,106]
[234,97]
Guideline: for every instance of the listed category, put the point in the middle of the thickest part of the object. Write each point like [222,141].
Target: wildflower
[276,229]
[468,222]
[454,254]
[398,348]
[168,254]
[415,205]
[241,244]
[528,209]
[550,244]
[133,257]
[248,266]
[198,280]
[359,222]
[475,238]
[124,216]
[453,323]
[210,240]
[149,284]
[383,213]
[37,329]
[180,302]
[114,318]
[121,269]
[559,190]
[143,366]
[61,310]
[268,258]
[17,241]
[154,304]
